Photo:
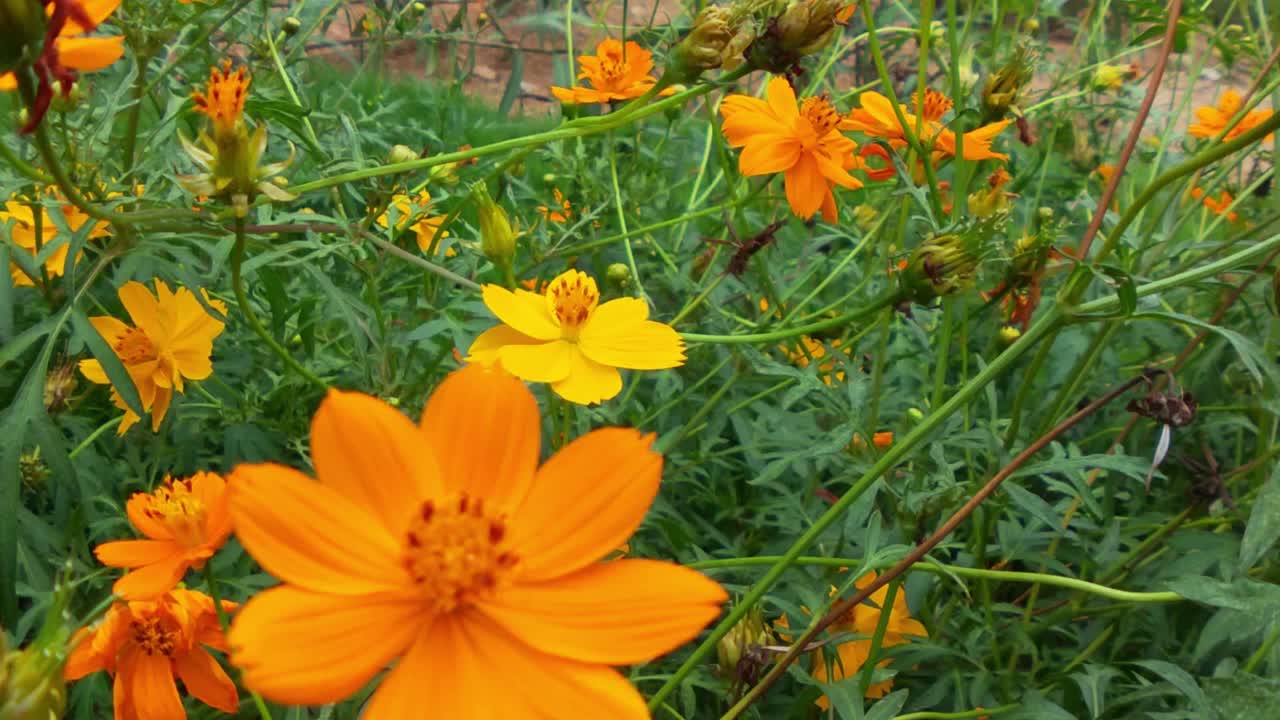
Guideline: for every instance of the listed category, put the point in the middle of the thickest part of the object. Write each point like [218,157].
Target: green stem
[32,172]
[888,300]
[1256,658]
[242,299]
[211,582]
[94,436]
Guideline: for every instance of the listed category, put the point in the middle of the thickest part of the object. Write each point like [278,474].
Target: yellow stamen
[935,105]
[820,114]
[153,637]
[454,552]
[181,512]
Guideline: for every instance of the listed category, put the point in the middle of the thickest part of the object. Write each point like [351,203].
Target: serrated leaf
[111,365]
[1264,523]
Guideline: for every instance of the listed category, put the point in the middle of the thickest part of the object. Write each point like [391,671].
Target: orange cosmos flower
[616,72]
[803,141]
[1219,205]
[876,118]
[171,340]
[24,235]
[145,644]
[862,620]
[564,338]
[222,100]
[1213,120]
[559,214]
[425,226]
[186,522]
[82,53]
[445,548]
[811,350]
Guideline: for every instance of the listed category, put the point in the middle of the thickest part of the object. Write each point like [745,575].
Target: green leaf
[1254,358]
[1264,523]
[1180,679]
[111,365]
[888,706]
[1259,601]
[1242,696]
[512,90]
[1126,290]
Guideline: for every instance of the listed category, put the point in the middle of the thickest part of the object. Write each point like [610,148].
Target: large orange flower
[447,547]
[563,336]
[186,522]
[172,340]
[1213,120]
[803,141]
[82,53]
[876,118]
[616,72]
[145,644]
[24,235]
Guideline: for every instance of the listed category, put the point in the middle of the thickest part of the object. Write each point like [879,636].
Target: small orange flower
[616,72]
[811,350]
[1219,205]
[1213,120]
[801,140]
[882,439]
[844,14]
[223,98]
[145,644]
[876,118]
[445,548]
[185,521]
[559,214]
[1105,171]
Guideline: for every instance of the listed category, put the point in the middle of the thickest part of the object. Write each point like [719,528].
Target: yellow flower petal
[522,310]
[588,381]
[618,335]
[546,362]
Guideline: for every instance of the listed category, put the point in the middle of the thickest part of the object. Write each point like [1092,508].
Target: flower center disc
[181,512]
[135,347]
[454,551]
[572,297]
[153,637]
[821,116]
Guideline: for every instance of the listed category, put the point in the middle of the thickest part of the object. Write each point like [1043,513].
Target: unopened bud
[1000,94]
[915,414]
[31,682]
[1031,26]
[803,28]
[482,19]
[32,470]
[549,178]
[619,274]
[291,26]
[1045,213]
[497,238]
[1009,334]
[1113,77]
[864,216]
[401,154]
[703,48]
[943,264]
[419,9]
[750,633]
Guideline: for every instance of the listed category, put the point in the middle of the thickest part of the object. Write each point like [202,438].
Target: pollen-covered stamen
[572,297]
[224,96]
[183,513]
[154,636]
[455,552]
[935,104]
[822,116]
[134,347]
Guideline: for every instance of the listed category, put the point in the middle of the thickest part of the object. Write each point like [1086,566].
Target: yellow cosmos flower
[445,549]
[616,72]
[24,235]
[876,118]
[171,340]
[566,338]
[802,141]
[144,645]
[425,226]
[185,522]
[862,620]
[1213,120]
[81,53]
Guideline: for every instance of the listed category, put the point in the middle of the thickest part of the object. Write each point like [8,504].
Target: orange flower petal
[109,328]
[152,691]
[372,454]
[618,335]
[615,613]
[805,187]
[90,53]
[588,381]
[485,429]
[142,308]
[522,310]
[766,154]
[782,99]
[152,580]
[135,553]
[97,10]
[463,663]
[205,679]
[307,533]
[611,477]
[306,648]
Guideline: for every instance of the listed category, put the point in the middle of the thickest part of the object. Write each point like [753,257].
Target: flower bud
[31,682]
[1113,77]
[497,238]
[1009,334]
[703,48]
[22,27]
[419,9]
[942,265]
[803,28]
[619,274]
[750,632]
[1000,95]
[58,387]
[290,26]
[401,154]
[1031,26]
[32,469]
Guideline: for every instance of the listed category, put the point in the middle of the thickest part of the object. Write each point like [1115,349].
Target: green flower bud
[619,274]
[751,631]
[1001,92]
[497,238]
[943,264]
[291,26]
[31,684]
[703,48]
[400,154]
